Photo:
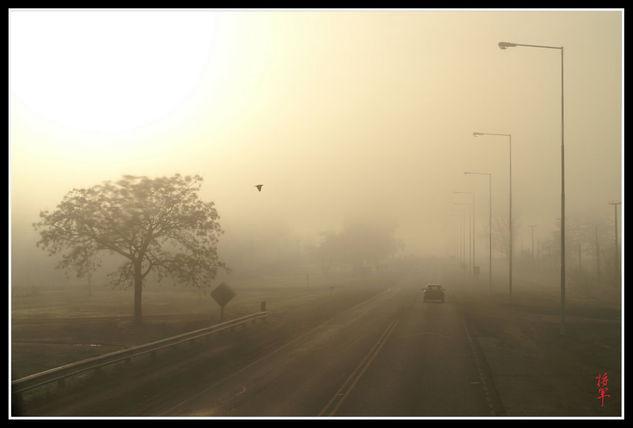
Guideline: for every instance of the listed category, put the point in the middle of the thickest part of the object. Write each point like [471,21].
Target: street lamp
[489,174]
[473,231]
[479,134]
[464,236]
[461,251]
[505,45]
[458,245]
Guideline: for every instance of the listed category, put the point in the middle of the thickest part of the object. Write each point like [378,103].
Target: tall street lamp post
[505,45]
[489,224]
[461,252]
[473,232]
[459,242]
[478,134]
[469,237]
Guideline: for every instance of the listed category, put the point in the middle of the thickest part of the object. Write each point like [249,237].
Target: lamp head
[476,134]
[505,45]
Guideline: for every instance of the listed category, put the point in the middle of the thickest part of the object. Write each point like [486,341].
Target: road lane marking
[269,355]
[343,392]
[427,333]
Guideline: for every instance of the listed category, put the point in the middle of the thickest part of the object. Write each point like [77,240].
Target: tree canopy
[157,225]
[359,245]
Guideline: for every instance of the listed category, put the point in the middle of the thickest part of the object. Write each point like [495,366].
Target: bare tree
[501,233]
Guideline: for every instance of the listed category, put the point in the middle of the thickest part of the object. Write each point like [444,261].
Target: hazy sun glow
[104,82]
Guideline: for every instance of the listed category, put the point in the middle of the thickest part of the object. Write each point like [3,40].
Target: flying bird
[259,187]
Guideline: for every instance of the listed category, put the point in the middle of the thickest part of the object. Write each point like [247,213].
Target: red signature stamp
[602,382]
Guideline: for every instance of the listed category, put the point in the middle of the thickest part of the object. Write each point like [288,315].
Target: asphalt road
[390,355]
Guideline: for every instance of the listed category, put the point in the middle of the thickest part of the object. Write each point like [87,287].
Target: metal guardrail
[60,374]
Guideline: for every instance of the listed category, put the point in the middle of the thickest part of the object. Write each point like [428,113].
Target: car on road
[433,292]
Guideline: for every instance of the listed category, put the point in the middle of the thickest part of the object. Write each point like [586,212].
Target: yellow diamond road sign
[222,294]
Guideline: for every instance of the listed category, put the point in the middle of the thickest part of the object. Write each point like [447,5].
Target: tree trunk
[138,289]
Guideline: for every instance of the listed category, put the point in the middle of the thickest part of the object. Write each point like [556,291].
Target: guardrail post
[262,306]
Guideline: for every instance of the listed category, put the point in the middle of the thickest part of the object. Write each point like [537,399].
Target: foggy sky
[342,115]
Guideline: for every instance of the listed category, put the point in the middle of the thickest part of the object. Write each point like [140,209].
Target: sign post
[222,294]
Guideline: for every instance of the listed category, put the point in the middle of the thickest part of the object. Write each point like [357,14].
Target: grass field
[50,328]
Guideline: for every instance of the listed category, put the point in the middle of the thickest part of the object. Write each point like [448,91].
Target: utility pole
[532,227]
[597,255]
[468,248]
[461,252]
[490,233]
[617,251]
[462,238]
[474,235]
[460,231]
